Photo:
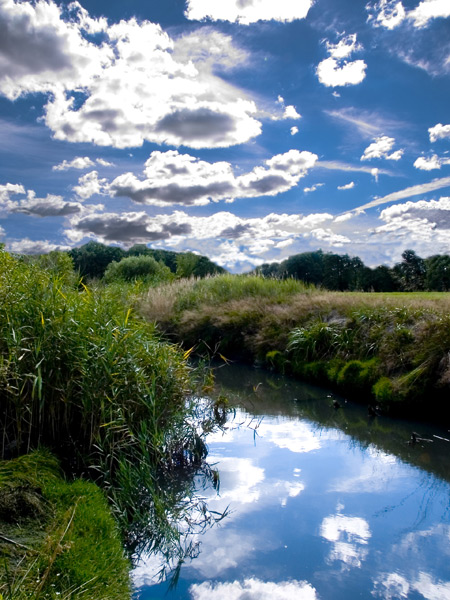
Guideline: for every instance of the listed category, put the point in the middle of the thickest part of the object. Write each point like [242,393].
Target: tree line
[93,259]
[344,273]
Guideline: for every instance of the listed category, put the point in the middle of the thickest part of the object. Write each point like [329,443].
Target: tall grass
[348,340]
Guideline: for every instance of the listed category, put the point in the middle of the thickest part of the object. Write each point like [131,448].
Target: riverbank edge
[59,538]
[390,351]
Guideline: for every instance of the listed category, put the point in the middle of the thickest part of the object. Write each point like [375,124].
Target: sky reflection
[314,515]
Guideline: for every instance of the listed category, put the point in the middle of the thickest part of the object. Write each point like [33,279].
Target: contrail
[415,190]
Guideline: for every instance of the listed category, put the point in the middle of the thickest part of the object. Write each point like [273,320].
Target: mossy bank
[390,350]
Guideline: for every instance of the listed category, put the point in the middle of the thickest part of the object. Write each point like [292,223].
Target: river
[324,503]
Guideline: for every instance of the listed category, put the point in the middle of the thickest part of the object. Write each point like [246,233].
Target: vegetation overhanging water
[83,374]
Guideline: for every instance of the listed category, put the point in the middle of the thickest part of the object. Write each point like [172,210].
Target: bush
[137,268]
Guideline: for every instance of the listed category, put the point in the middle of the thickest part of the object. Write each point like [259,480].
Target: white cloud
[349,537]
[174,178]
[50,206]
[79,162]
[290,112]
[439,132]
[90,184]
[104,163]
[337,165]
[27,246]
[330,237]
[432,162]
[253,589]
[40,51]
[428,10]
[414,190]
[347,186]
[368,124]
[344,48]
[334,71]
[381,148]
[391,13]
[247,11]
[313,188]
[294,130]
[138,85]
[387,13]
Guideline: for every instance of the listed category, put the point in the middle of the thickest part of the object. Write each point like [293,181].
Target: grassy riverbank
[387,348]
[59,539]
[84,376]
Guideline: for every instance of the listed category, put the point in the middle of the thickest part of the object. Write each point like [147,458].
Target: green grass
[296,328]
[82,374]
[72,550]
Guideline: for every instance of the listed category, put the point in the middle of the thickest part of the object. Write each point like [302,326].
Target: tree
[438,273]
[411,271]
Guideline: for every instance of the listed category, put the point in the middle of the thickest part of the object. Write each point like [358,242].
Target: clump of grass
[73,550]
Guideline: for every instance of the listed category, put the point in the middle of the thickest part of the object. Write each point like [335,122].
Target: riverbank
[386,349]
[82,375]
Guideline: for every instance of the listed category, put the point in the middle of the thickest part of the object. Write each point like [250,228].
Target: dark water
[324,503]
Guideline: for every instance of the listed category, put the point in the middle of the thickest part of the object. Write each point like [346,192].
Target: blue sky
[245,130]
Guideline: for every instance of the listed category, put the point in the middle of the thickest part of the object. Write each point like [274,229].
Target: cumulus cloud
[80,162]
[432,162]
[294,130]
[50,206]
[125,228]
[40,50]
[332,73]
[335,71]
[253,589]
[174,178]
[246,12]
[428,10]
[439,132]
[138,85]
[90,184]
[423,226]
[139,227]
[347,186]
[381,148]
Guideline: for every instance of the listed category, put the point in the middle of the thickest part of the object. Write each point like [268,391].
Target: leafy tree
[411,271]
[438,273]
[383,279]
[92,259]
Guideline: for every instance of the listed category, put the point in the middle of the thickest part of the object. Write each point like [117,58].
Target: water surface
[324,503]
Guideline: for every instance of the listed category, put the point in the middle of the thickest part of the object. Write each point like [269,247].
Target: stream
[323,503]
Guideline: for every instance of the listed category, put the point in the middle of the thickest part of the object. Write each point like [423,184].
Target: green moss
[358,376]
[69,542]
[384,390]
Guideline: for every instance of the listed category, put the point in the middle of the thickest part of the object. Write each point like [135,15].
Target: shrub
[134,268]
